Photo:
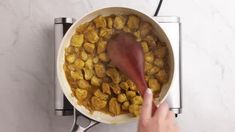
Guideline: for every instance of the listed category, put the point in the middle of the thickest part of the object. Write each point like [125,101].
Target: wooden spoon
[127,54]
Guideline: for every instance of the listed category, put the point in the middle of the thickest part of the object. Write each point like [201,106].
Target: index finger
[146,110]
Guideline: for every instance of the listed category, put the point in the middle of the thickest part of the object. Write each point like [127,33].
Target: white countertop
[26,49]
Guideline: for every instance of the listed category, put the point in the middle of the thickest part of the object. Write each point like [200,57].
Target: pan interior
[96,115]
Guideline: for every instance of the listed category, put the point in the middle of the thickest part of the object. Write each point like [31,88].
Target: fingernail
[148,91]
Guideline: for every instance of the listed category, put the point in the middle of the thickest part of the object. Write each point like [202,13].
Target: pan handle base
[81,123]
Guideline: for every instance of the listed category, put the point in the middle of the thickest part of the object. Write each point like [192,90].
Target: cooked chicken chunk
[71,58]
[79,63]
[101,95]
[124,85]
[100,22]
[116,89]
[131,85]
[100,70]
[137,100]
[104,57]
[96,81]
[119,22]
[125,105]
[81,94]
[101,46]
[114,106]
[133,22]
[154,85]
[134,109]
[89,47]
[91,36]
[88,73]
[161,52]
[106,88]
[130,94]
[145,29]
[77,40]
[145,47]
[114,75]
[105,33]
[122,98]
[83,84]
[98,103]
[162,76]
[76,75]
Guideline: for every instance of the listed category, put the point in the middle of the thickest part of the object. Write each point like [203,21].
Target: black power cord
[158,8]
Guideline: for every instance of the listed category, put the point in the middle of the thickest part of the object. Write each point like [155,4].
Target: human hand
[161,120]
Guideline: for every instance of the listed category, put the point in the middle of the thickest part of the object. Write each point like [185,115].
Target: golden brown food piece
[79,63]
[91,36]
[110,22]
[131,85]
[104,57]
[76,75]
[161,52]
[130,94]
[125,105]
[83,55]
[151,42]
[88,73]
[80,94]
[98,103]
[121,98]
[116,89]
[114,106]
[71,67]
[69,50]
[124,85]
[106,88]
[96,81]
[149,57]
[91,26]
[101,46]
[137,100]
[145,29]
[89,63]
[82,28]
[134,109]
[95,60]
[71,58]
[100,70]
[105,33]
[147,66]
[133,22]
[119,22]
[162,76]
[77,40]
[83,84]
[154,85]
[100,22]
[76,50]
[153,70]
[145,47]
[101,95]
[159,62]
[126,29]
[114,75]
[89,47]
[137,35]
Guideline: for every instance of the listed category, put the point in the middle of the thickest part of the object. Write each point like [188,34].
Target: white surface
[26,49]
